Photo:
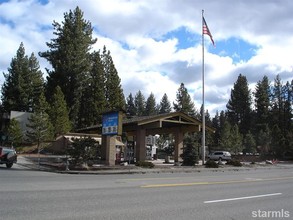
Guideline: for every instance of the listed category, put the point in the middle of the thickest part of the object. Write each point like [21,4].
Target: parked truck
[8,156]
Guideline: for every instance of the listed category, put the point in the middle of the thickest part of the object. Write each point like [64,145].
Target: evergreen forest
[83,83]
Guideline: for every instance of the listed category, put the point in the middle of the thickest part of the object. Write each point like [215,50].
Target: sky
[157,44]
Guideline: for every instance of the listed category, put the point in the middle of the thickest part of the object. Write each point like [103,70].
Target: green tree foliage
[264,140]
[281,116]
[239,105]
[278,141]
[15,133]
[69,55]
[150,107]
[225,136]
[288,114]
[249,143]
[90,84]
[39,125]
[113,90]
[236,140]
[231,138]
[208,119]
[216,126]
[82,150]
[277,104]
[93,101]
[35,81]
[272,117]
[59,114]
[190,151]
[165,105]
[218,123]
[183,101]
[23,83]
[139,102]
[130,106]
[262,103]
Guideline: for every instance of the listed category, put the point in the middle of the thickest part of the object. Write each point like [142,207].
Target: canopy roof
[157,124]
[164,123]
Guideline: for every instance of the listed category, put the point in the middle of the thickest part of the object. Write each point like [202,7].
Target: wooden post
[140,144]
[178,146]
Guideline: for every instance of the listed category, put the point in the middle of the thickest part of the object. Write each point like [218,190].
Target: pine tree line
[139,106]
[259,121]
[80,86]
[84,83]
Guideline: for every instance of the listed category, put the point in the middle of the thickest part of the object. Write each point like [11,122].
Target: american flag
[205,30]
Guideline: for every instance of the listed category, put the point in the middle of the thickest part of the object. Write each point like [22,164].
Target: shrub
[211,164]
[144,164]
[235,163]
[189,155]
[82,150]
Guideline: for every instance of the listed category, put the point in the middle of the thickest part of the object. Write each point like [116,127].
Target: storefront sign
[112,123]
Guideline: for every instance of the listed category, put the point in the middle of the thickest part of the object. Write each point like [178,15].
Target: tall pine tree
[165,105]
[69,55]
[262,103]
[183,101]
[59,114]
[93,101]
[139,102]
[150,108]
[130,106]
[39,126]
[239,105]
[113,90]
[23,83]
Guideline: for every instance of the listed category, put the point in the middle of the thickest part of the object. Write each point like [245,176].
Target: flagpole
[203,102]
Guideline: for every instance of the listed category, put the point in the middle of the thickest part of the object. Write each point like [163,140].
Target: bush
[82,150]
[189,155]
[144,164]
[211,164]
[235,163]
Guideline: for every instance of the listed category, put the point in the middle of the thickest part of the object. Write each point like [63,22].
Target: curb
[139,170]
[166,170]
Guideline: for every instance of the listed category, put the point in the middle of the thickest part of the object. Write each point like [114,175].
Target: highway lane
[248,194]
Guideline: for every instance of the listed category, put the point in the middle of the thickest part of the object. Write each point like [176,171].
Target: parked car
[8,156]
[220,155]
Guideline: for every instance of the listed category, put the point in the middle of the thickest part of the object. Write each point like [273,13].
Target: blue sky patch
[3,1]
[7,22]
[44,2]
[238,49]
[185,38]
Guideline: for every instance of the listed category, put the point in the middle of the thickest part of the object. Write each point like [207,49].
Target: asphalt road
[246,194]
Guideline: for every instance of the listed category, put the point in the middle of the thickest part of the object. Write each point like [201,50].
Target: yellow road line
[163,178]
[214,183]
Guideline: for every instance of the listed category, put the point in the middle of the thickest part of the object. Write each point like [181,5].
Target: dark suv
[7,156]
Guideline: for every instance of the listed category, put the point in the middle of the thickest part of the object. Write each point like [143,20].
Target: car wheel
[9,165]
